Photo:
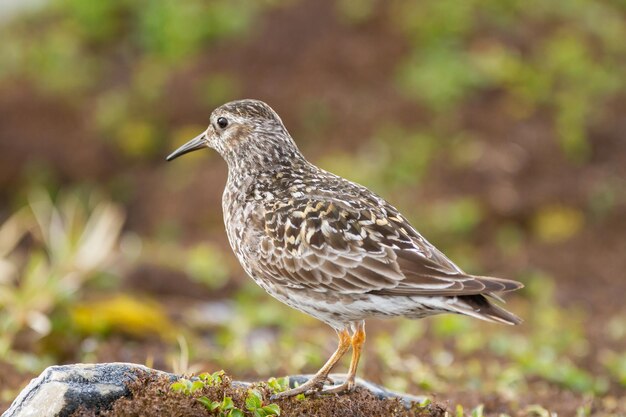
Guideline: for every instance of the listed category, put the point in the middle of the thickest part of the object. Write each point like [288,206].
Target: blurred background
[498,128]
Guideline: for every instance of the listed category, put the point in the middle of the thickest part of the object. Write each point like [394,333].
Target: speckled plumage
[327,246]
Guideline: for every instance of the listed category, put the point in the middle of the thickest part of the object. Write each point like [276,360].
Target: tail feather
[480,307]
[504,285]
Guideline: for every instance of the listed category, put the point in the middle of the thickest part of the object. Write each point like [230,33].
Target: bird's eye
[222,122]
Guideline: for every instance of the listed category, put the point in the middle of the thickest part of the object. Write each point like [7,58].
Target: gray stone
[61,390]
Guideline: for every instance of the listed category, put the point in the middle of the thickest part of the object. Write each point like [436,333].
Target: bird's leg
[317,381]
[357,341]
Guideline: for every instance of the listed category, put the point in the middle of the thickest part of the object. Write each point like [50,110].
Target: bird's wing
[328,244]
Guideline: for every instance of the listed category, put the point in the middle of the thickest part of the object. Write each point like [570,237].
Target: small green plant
[186,386]
[277,385]
[224,408]
[189,387]
[211,380]
[254,404]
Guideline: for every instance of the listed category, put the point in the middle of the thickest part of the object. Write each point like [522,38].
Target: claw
[346,387]
[313,385]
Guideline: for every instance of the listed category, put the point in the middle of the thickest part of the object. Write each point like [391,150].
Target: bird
[329,247]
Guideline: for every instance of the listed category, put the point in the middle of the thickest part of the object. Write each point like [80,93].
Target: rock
[61,390]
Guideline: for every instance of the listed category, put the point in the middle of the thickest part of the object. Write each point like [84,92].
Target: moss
[152,396]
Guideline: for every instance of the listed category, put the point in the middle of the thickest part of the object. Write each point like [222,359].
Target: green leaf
[217,377]
[227,404]
[196,385]
[236,413]
[277,385]
[272,410]
[208,404]
[212,379]
[177,386]
[182,385]
[254,400]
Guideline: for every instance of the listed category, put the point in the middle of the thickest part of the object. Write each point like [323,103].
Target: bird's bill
[194,144]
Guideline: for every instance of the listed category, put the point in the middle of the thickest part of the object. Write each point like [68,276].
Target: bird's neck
[263,154]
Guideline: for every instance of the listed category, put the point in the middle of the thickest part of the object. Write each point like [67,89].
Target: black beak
[194,144]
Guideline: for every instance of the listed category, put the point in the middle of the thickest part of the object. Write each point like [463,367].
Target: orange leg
[317,382]
[357,341]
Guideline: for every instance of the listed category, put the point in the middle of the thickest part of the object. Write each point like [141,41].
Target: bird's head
[248,134]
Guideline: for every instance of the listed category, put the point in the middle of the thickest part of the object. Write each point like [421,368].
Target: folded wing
[330,245]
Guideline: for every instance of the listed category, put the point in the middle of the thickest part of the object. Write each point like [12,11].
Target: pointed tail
[480,307]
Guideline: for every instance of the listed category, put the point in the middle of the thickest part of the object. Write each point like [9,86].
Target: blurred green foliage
[558,61]
[393,159]
[163,31]
[559,57]
[69,55]
[72,241]
[205,264]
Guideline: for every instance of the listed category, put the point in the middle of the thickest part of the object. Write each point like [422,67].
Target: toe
[344,388]
[311,386]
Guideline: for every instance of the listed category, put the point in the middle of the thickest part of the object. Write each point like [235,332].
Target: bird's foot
[343,388]
[311,386]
